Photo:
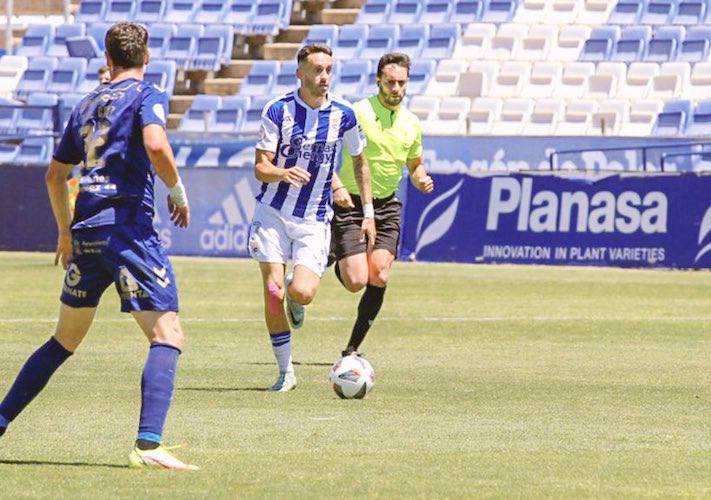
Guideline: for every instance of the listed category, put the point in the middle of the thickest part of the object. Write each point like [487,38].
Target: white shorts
[276,238]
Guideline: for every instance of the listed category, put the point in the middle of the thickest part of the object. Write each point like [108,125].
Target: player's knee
[355,283]
[170,334]
[380,276]
[303,294]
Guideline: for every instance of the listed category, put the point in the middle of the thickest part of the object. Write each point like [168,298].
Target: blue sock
[32,378]
[157,391]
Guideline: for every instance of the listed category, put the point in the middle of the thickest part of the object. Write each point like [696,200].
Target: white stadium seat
[485,111]
[608,119]
[544,117]
[672,79]
[643,115]
[536,45]
[505,44]
[570,43]
[577,117]
[446,79]
[604,83]
[474,42]
[511,80]
[425,107]
[700,82]
[594,12]
[478,79]
[514,115]
[639,80]
[563,12]
[545,78]
[451,119]
[574,81]
[532,11]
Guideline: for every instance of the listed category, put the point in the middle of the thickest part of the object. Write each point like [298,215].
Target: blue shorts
[131,258]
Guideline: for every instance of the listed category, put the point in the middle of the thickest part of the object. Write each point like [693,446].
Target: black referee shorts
[346,224]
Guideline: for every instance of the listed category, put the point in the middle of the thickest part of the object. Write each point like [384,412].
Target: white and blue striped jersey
[300,136]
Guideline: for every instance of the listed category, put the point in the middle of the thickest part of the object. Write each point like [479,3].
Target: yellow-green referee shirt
[394,137]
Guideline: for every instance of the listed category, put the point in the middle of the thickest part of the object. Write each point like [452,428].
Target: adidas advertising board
[626,220]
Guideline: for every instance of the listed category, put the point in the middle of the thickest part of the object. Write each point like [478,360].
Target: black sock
[144,444]
[368,309]
[337,268]
[2,430]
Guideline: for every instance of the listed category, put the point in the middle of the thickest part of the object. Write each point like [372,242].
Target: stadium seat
[563,12]
[441,41]
[504,45]
[695,46]
[446,79]
[499,11]
[67,103]
[98,32]
[229,116]
[626,12]
[286,79]
[7,151]
[599,46]
[58,47]
[467,11]
[691,13]
[352,77]
[214,47]
[149,11]
[350,41]
[700,124]
[483,114]
[475,42]
[450,118]
[11,70]
[577,118]
[699,82]
[260,79]
[162,74]
[437,12]
[665,44]
[179,11]
[594,12]
[65,77]
[421,70]
[643,114]
[658,12]
[606,80]
[269,17]
[374,12]
[512,79]
[35,150]
[609,117]
[536,45]
[158,36]
[515,113]
[478,78]
[201,115]
[632,44]
[639,81]
[253,116]
[90,11]
[211,11]
[674,118]
[82,46]
[8,116]
[34,120]
[574,81]
[239,14]
[544,117]
[182,46]
[671,81]
[326,34]
[35,41]
[381,39]
[119,10]
[411,39]
[424,107]
[531,12]
[36,76]
[570,43]
[545,77]
[405,12]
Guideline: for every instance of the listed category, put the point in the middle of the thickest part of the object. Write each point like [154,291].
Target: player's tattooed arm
[56,180]
[266,171]
[362,175]
[418,175]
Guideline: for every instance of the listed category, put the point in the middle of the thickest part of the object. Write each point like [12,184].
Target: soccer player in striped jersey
[301,139]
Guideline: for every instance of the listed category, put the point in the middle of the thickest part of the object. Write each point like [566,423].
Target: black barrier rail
[554,156]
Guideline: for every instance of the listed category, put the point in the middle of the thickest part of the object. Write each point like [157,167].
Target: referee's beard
[390,98]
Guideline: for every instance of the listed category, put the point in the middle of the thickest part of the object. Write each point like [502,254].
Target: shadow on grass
[61,464]
[266,363]
[222,389]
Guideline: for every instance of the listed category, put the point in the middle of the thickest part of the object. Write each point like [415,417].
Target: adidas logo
[704,231]
[231,221]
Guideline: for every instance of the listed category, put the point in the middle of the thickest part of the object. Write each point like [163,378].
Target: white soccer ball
[352,377]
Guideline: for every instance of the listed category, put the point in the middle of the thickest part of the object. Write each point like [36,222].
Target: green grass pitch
[491,382]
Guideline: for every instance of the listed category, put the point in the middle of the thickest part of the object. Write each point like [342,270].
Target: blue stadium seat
[211,11]
[268,17]
[374,12]
[420,72]
[68,73]
[8,115]
[162,74]
[36,76]
[229,117]
[467,11]
[253,116]
[626,12]
[326,34]
[598,47]
[58,47]
[350,41]
[98,32]
[441,41]
[149,11]
[32,120]
[674,118]
[119,10]
[158,36]
[183,45]
[201,115]
[381,39]
[226,34]
[179,11]
[352,77]
[90,11]
[66,106]
[690,13]
[285,80]
[696,45]
[701,120]
[35,41]
[239,14]
[499,11]
[82,46]
[658,12]
[7,153]
[665,43]
[412,39]
[35,150]
[91,76]
[437,12]
[260,79]
[209,52]
[632,44]
[405,12]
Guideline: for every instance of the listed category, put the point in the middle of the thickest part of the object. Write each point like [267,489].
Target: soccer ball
[352,377]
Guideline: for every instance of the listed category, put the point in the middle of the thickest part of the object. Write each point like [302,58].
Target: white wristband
[368,211]
[178,194]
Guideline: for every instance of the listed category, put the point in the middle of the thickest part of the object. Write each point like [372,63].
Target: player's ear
[147,58]
[109,62]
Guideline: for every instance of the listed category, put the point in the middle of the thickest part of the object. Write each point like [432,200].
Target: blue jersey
[105,132]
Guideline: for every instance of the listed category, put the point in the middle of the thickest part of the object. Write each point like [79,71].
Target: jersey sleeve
[415,150]
[70,149]
[268,130]
[353,137]
[154,107]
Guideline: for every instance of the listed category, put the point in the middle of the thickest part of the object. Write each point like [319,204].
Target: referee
[394,139]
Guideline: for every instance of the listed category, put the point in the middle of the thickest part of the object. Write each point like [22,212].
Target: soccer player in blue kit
[118,132]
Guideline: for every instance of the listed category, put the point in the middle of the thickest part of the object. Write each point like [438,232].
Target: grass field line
[474,319]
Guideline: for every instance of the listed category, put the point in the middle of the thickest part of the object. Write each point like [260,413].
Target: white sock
[281,345]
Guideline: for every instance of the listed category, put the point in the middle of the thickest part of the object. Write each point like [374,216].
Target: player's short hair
[312,48]
[127,44]
[394,58]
